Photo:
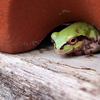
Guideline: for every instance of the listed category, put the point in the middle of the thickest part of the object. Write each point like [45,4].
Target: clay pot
[25,23]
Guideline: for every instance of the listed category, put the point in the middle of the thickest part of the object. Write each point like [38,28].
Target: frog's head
[66,44]
[73,38]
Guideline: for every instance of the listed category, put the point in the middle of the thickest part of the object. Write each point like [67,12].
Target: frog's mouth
[69,51]
[63,52]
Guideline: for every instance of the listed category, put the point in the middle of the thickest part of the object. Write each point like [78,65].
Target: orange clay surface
[25,23]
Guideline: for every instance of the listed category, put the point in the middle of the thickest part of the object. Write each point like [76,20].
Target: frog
[79,38]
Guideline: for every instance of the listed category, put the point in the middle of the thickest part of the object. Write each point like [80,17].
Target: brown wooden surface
[43,75]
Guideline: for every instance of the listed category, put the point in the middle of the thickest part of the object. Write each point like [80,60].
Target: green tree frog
[77,39]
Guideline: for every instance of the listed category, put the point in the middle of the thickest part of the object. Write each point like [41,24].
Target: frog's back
[80,28]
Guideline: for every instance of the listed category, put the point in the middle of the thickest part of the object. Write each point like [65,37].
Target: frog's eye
[73,41]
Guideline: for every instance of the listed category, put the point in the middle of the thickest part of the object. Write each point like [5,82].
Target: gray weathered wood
[43,75]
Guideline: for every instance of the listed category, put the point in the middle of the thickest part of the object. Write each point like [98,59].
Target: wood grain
[42,74]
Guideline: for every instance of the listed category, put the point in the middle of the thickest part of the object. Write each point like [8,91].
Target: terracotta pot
[25,23]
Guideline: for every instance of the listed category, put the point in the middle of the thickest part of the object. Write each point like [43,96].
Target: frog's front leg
[90,49]
[94,47]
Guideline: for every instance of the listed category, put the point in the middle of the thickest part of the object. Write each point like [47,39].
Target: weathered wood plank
[43,75]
